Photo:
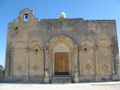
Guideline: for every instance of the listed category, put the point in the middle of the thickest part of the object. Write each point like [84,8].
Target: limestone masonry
[61,50]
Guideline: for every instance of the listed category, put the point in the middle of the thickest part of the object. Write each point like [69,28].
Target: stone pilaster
[76,58]
[46,78]
[96,68]
[11,62]
[27,63]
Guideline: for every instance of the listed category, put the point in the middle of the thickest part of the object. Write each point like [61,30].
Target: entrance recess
[61,63]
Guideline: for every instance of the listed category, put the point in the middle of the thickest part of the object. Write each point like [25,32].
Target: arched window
[26,17]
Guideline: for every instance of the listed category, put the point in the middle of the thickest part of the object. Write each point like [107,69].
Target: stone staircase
[61,79]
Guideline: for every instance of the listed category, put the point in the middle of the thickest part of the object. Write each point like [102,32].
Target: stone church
[62,50]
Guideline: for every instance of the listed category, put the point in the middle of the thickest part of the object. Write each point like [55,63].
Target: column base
[46,80]
[116,78]
[76,80]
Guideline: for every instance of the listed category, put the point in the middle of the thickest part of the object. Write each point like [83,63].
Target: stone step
[61,79]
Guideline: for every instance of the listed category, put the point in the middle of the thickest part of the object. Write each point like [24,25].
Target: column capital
[79,48]
[43,48]
[27,49]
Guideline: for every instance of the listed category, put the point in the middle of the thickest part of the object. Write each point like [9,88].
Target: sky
[87,9]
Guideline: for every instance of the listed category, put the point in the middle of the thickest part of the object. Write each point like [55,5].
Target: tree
[1,68]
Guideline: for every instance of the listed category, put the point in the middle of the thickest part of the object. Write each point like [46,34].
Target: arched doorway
[61,56]
[61,60]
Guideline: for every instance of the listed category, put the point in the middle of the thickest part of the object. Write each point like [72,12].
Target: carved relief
[35,67]
[104,69]
[87,70]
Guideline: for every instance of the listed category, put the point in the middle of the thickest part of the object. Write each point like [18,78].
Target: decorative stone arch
[61,44]
[19,43]
[87,60]
[36,43]
[104,42]
[87,44]
[61,39]
[36,39]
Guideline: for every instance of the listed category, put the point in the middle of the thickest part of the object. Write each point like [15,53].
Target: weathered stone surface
[91,46]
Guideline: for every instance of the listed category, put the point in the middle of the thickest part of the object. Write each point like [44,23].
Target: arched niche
[104,58]
[36,59]
[62,45]
[86,59]
[19,59]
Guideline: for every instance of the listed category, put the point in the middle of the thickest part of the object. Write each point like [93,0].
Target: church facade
[61,50]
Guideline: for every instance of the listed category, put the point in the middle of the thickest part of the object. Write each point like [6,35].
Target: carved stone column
[46,78]
[76,58]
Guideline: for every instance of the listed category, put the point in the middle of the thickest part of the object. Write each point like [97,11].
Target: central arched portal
[61,56]
[61,60]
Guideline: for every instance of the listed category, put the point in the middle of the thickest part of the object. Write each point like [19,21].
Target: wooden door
[61,63]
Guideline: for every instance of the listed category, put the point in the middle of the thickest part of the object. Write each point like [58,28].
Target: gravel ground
[81,86]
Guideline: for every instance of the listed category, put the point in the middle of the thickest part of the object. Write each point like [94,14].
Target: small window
[26,17]
[85,49]
[36,50]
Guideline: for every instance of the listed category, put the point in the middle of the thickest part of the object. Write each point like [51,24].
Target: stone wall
[31,45]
